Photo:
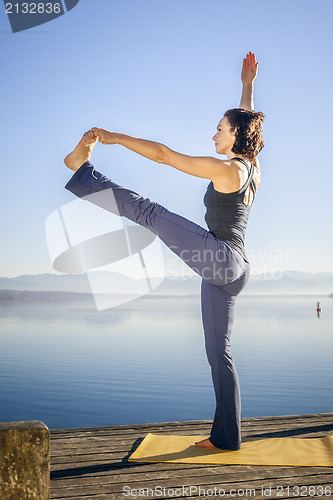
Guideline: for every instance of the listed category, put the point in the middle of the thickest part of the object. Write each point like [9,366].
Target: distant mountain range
[287,283]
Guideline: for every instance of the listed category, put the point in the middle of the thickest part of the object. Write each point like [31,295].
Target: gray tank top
[226,215]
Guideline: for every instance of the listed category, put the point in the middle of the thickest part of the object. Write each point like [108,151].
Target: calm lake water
[72,366]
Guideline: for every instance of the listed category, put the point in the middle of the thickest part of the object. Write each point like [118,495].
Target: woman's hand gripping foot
[82,152]
[105,136]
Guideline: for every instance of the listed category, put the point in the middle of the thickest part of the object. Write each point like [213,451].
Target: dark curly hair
[249,141]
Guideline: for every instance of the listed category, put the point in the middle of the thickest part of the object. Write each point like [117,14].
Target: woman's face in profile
[224,139]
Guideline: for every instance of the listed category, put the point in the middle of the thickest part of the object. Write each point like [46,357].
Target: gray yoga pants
[224,274]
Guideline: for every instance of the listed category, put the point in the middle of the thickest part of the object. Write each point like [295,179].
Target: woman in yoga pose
[217,254]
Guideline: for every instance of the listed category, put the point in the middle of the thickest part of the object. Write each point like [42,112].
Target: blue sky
[167,71]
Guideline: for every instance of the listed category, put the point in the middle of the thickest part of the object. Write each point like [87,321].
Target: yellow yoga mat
[272,451]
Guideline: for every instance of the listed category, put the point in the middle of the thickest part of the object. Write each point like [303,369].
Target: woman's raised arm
[249,72]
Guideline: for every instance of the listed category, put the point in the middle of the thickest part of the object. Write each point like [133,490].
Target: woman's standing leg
[218,309]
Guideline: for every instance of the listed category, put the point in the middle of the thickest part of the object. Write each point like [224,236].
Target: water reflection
[69,365]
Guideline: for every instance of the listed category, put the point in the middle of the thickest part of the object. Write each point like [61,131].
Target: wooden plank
[297,429]
[229,475]
[128,441]
[124,439]
[198,481]
[295,476]
[260,421]
[190,428]
[179,470]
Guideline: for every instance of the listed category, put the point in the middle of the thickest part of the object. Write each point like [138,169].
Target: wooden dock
[91,463]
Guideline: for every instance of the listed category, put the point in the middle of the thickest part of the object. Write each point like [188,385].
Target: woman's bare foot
[205,443]
[82,152]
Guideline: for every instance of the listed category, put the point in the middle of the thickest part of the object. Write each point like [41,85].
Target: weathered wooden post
[24,461]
